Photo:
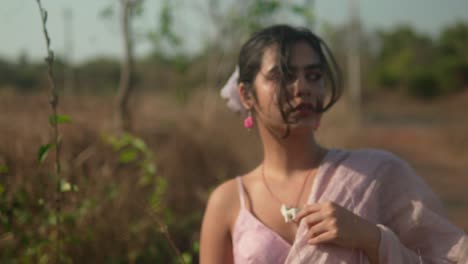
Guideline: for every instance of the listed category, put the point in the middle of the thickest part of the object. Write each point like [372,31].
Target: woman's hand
[330,223]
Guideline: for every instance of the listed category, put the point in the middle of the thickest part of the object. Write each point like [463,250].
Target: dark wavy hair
[284,37]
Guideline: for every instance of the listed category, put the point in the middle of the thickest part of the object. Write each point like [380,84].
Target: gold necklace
[288,212]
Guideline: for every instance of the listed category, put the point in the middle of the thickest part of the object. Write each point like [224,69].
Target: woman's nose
[301,87]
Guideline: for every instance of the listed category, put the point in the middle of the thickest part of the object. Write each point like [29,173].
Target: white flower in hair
[229,92]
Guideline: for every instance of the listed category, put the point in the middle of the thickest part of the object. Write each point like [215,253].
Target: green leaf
[2,189]
[299,10]
[21,216]
[139,144]
[4,168]
[196,246]
[150,168]
[145,180]
[112,192]
[157,195]
[128,156]
[59,119]
[43,151]
[52,219]
[187,258]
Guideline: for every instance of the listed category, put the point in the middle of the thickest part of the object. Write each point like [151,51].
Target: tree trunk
[122,111]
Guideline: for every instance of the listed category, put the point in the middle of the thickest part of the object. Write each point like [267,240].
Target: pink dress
[377,186]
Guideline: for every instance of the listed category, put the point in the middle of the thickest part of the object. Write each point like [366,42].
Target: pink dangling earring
[249,121]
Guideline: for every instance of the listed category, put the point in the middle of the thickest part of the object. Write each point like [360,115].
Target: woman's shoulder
[228,194]
[374,153]
[224,201]
[370,156]
[225,194]
[373,163]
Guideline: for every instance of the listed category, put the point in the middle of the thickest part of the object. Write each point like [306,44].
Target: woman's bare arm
[215,240]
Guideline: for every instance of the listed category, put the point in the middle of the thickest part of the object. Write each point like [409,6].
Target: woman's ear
[245,96]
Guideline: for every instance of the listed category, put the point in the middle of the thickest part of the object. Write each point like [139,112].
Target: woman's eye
[274,76]
[314,76]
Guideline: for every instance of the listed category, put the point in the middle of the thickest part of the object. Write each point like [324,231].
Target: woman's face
[305,88]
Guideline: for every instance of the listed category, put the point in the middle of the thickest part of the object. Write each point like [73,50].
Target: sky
[92,36]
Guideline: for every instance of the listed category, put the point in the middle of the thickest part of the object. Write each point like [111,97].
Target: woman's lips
[303,109]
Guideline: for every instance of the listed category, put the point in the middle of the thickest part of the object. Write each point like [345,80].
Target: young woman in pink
[305,203]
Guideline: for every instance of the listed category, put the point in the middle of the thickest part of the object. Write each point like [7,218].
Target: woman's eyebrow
[313,66]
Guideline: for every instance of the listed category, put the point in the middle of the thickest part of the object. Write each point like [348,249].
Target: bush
[420,66]
[423,84]
[452,74]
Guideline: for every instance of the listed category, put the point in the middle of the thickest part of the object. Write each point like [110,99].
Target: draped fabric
[377,186]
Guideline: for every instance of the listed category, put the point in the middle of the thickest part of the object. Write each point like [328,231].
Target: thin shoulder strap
[241,191]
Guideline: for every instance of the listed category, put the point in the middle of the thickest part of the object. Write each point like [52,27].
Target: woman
[305,203]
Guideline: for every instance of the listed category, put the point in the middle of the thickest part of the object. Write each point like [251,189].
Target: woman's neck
[288,157]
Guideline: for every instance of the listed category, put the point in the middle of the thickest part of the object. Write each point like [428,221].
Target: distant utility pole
[354,61]
[68,50]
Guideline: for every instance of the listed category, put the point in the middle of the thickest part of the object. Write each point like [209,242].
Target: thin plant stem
[53,102]
[164,230]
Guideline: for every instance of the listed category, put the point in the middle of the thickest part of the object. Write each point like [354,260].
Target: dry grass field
[200,143]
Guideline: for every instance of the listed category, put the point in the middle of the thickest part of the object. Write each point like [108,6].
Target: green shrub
[423,84]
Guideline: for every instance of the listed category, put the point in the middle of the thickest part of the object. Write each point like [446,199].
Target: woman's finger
[307,210]
[313,219]
[317,229]
[324,237]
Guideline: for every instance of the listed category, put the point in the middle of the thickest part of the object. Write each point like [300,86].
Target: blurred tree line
[401,59]
[419,66]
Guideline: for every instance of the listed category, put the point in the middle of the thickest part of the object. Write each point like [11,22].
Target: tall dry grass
[197,145]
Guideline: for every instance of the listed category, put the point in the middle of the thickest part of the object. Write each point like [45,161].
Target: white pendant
[289,213]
